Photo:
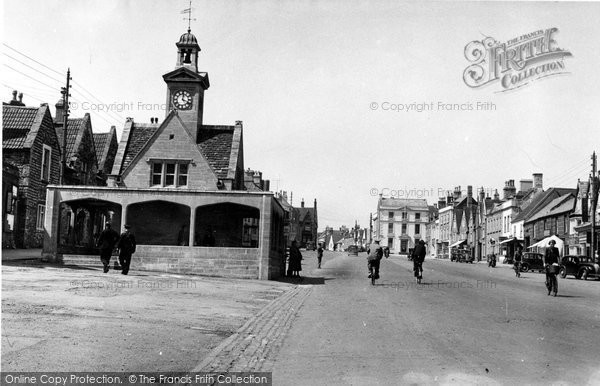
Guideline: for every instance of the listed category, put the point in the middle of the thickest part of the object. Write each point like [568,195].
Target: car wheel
[584,274]
[563,272]
[525,267]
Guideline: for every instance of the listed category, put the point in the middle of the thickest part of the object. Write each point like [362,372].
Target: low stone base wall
[240,263]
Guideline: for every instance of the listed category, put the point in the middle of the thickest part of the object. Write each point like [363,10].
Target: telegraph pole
[65,93]
[594,184]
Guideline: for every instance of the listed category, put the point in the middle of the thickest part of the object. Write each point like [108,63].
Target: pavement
[21,254]
[69,318]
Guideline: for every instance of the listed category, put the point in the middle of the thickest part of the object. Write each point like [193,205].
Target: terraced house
[30,162]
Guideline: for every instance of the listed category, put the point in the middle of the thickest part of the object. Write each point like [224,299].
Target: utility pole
[65,93]
[594,184]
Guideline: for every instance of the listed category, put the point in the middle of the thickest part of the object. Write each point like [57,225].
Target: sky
[325,88]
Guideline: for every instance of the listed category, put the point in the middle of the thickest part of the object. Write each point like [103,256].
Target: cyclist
[517,262]
[374,256]
[551,262]
[418,256]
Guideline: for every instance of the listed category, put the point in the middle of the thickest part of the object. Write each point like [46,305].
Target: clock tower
[186,85]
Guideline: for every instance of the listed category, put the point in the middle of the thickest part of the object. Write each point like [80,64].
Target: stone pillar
[123,217]
[51,221]
[264,239]
[192,226]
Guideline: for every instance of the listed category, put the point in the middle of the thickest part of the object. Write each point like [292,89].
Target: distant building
[81,164]
[400,223]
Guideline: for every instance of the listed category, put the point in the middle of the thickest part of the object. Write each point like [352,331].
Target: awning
[514,239]
[457,243]
[544,243]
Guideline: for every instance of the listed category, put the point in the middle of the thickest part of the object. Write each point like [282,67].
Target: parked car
[532,261]
[588,268]
[352,250]
[582,267]
[569,265]
[465,257]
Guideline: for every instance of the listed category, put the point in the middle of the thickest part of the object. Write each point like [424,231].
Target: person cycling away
[517,261]
[418,256]
[551,264]
[374,256]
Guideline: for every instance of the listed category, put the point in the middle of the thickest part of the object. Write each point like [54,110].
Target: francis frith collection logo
[515,63]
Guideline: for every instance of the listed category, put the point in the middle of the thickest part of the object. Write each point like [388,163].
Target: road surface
[466,324]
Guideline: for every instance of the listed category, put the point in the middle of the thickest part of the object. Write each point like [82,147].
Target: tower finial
[189,17]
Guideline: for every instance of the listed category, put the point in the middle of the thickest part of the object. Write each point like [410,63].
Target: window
[390,215]
[417,216]
[40,217]
[157,174]
[404,216]
[417,229]
[391,228]
[169,173]
[390,243]
[183,175]
[403,228]
[46,162]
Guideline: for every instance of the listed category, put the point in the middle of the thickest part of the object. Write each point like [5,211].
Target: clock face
[182,100]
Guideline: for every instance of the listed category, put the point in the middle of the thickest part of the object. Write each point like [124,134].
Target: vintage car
[582,267]
[532,261]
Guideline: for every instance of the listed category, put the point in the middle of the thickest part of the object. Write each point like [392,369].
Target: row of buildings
[179,183]
[476,224]
[32,146]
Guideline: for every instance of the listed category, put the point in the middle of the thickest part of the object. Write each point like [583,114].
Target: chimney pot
[21,97]
[14,93]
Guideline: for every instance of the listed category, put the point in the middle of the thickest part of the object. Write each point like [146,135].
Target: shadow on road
[37,263]
[305,280]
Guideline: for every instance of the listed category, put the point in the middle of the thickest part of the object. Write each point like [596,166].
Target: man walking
[551,263]
[319,254]
[126,246]
[106,242]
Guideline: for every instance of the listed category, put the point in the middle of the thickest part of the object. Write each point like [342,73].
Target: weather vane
[189,17]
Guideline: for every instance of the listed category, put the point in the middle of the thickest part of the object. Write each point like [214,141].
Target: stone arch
[80,222]
[159,222]
[227,225]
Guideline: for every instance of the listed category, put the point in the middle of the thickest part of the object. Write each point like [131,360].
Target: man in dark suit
[551,263]
[106,242]
[126,246]
[418,256]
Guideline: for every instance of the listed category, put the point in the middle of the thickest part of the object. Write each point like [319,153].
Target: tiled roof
[557,206]
[14,138]
[74,126]
[101,141]
[215,143]
[251,186]
[412,203]
[540,201]
[16,123]
[304,212]
[139,135]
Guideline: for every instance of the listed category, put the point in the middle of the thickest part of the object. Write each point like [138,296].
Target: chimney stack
[538,181]
[441,203]
[525,185]
[509,189]
[496,195]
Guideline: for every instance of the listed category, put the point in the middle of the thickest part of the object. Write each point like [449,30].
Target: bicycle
[372,274]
